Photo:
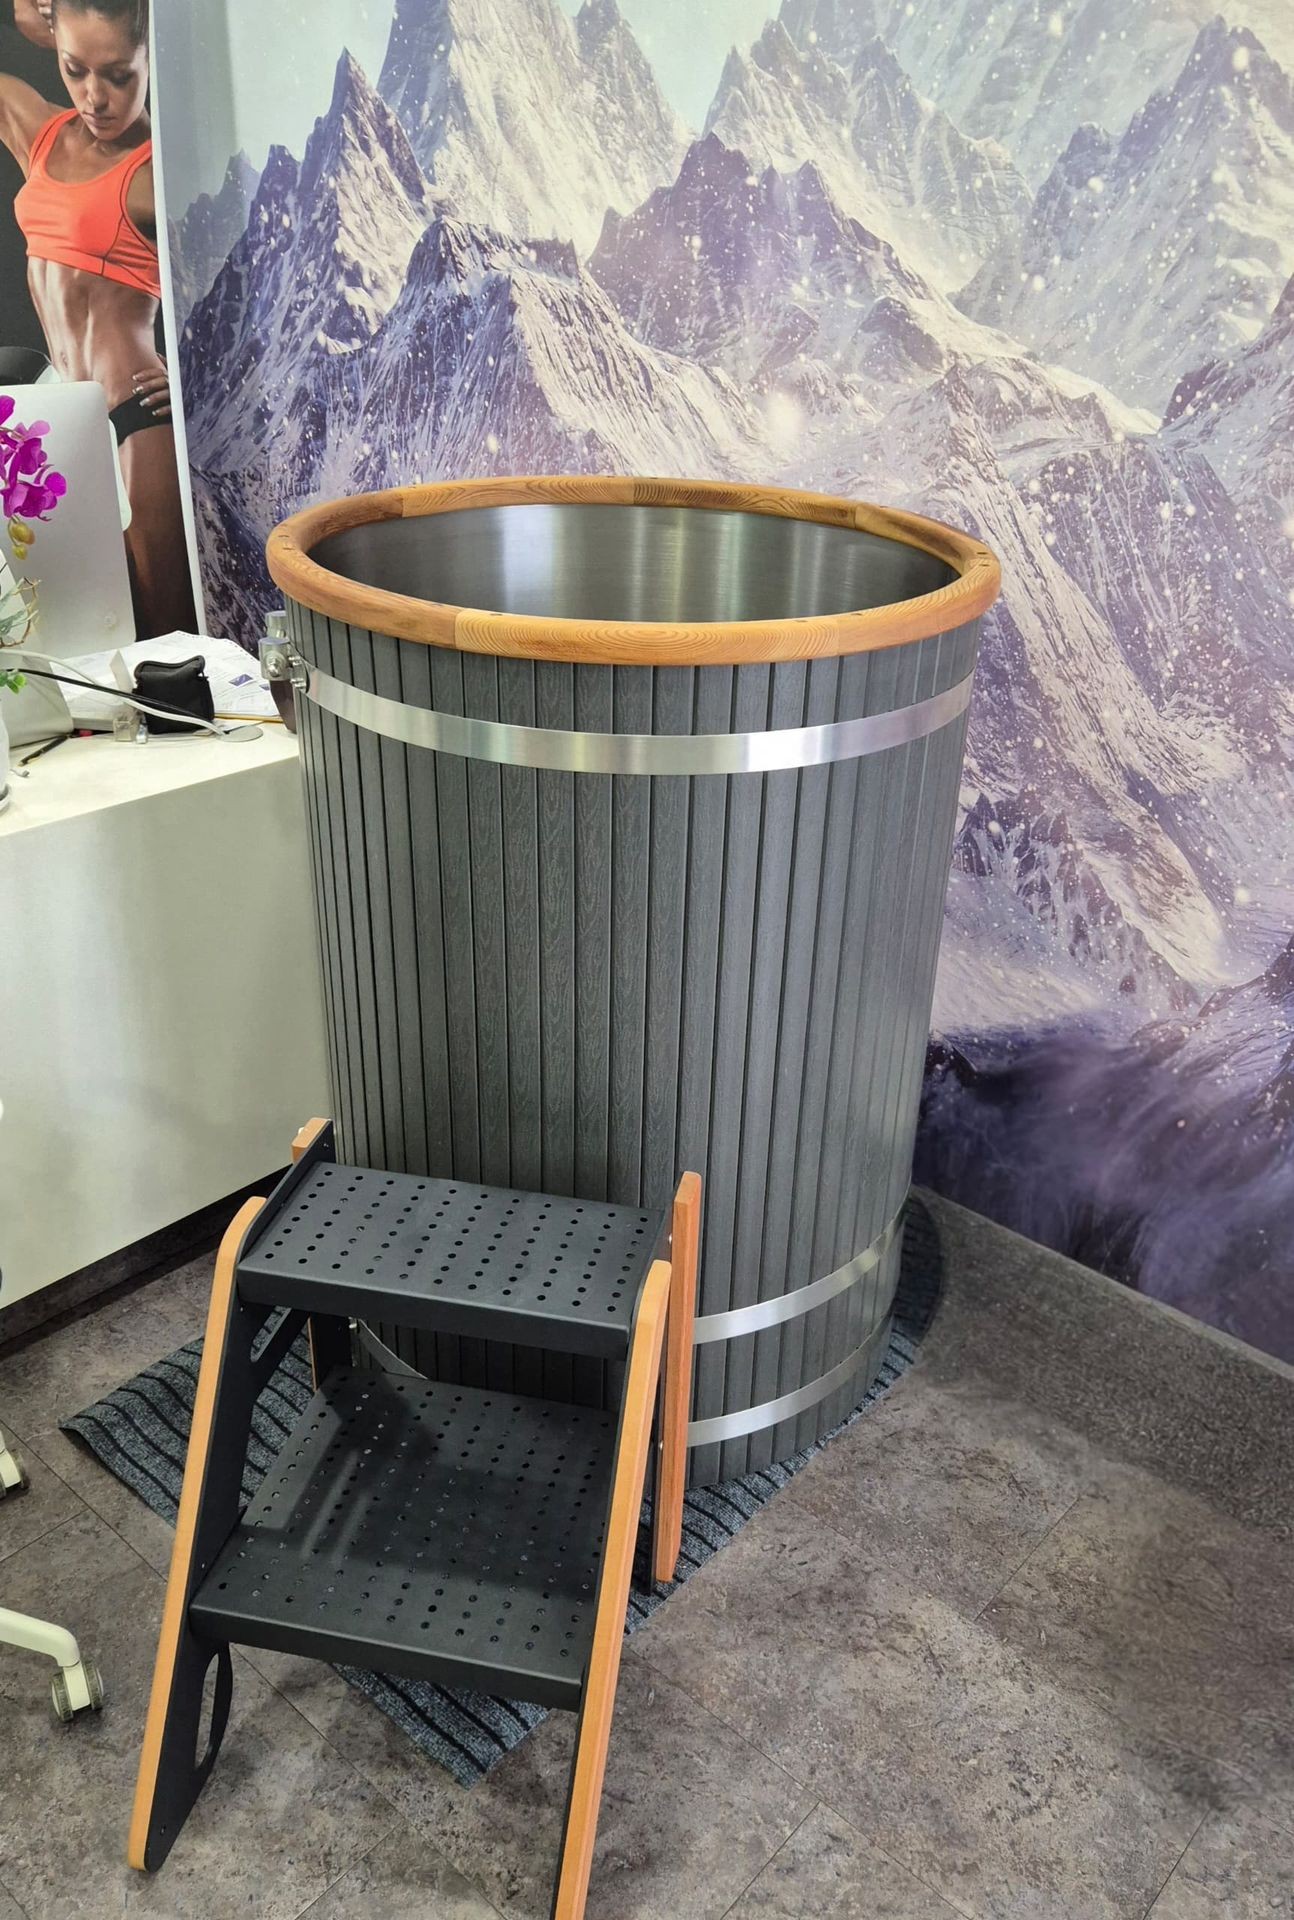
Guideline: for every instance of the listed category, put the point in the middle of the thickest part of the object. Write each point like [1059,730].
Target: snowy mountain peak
[528,121]
[202,239]
[598,20]
[1112,274]
[1239,411]
[891,158]
[877,57]
[358,130]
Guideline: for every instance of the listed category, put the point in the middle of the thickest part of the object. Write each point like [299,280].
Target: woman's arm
[33,21]
[23,112]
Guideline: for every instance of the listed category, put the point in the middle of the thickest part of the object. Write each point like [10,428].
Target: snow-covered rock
[1027,72]
[766,276]
[489,355]
[201,240]
[892,159]
[1145,257]
[1163,1155]
[321,261]
[1240,412]
[527,121]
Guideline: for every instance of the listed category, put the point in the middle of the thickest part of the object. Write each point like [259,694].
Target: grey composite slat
[667,911]
[851,1317]
[368,1035]
[631,807]
[555,806]
[441,1353]
[485,839]
[751,1359]
[428,923]
[520,1369]
[787,1264]
[314,780]
[593,815]
[456,907]
[880,674]
[523,1010]
[747,798]
[706,851]
[374,841]
[344,1055]
[446,1353]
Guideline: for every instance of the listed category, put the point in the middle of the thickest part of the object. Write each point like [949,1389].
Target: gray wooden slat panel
[523,1010]
[866,1009]
[315,776]
[593,806]
[406,960]
[445,1354]
[667,911]
[747,794]
[374,844]
[428,923]
[706,855]
[781,1349]
[903,966]
[940,828]
[439,1355]
[631,815]
[456,910]
[803,1338]
[383,1060]
[752,1359]
[352,1117]
[371,1146]
[485,835]
[520,1369]
[555,801]
[560,1377]
[867,684]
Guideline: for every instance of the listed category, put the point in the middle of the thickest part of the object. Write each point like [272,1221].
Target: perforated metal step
[418,1528]
[463,1259]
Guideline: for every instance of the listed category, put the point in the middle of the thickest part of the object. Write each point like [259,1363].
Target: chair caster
[14,1477]
[77,1689]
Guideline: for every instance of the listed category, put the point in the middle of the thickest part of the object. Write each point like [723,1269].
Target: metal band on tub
[557,750]
[746,1320]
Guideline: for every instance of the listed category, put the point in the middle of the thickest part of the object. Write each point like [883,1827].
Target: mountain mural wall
[1025,267]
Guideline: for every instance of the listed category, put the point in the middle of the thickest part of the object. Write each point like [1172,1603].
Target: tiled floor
[1020,1645]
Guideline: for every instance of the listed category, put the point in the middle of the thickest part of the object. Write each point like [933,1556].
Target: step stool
[472,1536]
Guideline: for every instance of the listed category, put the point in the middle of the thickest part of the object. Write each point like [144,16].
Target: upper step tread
[456,1256]
[412,1526]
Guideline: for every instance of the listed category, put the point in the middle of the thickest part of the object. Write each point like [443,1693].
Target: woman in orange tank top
[87,211]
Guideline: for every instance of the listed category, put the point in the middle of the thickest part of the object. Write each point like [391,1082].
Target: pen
[47,748]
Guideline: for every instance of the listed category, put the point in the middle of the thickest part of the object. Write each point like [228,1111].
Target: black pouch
[178,684]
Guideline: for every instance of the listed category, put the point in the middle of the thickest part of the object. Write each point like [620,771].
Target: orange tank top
[84,223]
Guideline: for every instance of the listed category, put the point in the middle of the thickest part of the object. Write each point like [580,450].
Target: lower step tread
[418,1527]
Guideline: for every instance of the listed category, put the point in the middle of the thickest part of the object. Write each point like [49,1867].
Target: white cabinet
[161,1026]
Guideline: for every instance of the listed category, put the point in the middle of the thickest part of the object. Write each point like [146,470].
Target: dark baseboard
[120,1273]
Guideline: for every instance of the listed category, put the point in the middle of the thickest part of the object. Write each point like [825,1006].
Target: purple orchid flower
[29,487]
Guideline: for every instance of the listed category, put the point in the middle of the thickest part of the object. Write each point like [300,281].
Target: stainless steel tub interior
[600,562]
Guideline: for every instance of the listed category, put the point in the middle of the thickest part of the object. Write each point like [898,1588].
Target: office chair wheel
[14,1477]
[76,1690]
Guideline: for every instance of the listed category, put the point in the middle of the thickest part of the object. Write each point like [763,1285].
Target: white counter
[161,1026]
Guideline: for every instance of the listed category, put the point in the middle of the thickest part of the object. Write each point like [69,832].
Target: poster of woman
[74,81]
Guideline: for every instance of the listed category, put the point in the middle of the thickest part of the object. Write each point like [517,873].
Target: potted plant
[30,490]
